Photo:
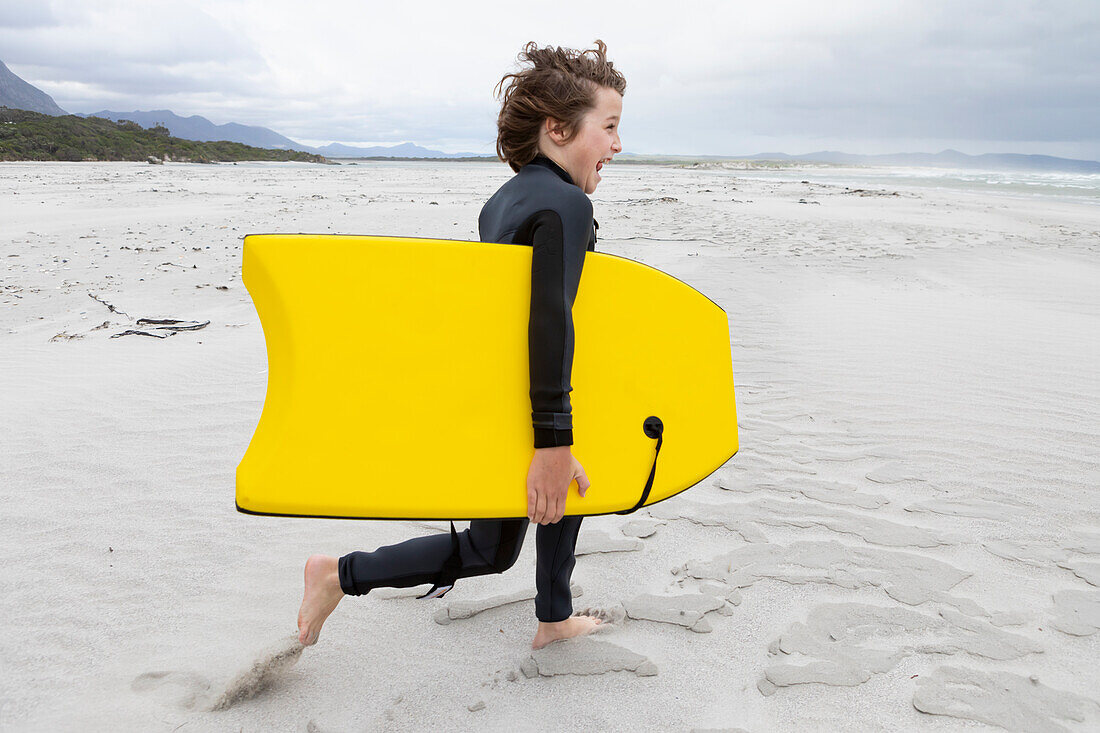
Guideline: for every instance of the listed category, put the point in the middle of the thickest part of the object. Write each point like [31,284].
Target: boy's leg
[556,544]
[488,546]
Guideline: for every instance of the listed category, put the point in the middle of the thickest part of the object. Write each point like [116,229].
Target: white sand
[912,521]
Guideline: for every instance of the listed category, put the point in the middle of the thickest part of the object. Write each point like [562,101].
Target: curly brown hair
[560,84]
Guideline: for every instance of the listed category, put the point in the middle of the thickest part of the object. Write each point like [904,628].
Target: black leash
[653,428]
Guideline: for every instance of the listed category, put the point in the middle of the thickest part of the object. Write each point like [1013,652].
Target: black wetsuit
[540,206]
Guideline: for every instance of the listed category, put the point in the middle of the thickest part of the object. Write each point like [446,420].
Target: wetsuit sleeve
[559,238]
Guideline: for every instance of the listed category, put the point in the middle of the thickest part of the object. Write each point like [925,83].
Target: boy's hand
[548,479]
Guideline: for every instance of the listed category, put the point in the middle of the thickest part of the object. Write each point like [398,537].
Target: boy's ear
[556,130]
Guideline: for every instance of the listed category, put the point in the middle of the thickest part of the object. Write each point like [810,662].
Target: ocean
[1079,187]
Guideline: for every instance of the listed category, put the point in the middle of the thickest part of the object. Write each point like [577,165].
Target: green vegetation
[31,136]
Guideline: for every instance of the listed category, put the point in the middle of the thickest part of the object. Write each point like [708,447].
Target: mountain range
[18,94]
[944,159]
[200,128]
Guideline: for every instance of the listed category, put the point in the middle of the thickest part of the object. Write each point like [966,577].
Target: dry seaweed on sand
[162,327]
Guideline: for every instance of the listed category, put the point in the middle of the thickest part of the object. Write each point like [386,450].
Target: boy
[558,126]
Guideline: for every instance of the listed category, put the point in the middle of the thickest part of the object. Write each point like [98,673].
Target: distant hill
[18,94]
[943,159]
[26,135]
[404,150]
[202,129]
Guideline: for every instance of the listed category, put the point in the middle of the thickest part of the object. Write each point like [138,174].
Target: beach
[908,537]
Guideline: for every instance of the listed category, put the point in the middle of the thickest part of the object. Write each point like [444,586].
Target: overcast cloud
[703,77]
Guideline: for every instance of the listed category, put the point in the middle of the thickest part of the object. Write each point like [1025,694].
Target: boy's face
[596,141]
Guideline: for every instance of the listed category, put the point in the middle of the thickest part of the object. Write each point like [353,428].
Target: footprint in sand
[585,656]
[184,690]
[595,541]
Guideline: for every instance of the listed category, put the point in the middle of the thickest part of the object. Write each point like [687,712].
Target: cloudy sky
[707,77]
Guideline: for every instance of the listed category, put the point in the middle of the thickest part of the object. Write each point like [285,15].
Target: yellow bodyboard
[398,380]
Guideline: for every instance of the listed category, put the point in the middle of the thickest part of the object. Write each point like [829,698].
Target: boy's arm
[559,238]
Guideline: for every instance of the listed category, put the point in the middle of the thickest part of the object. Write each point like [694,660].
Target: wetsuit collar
[545,162]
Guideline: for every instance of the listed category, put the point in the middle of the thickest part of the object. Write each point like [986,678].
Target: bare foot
[567,629]
[321,596]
